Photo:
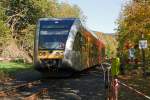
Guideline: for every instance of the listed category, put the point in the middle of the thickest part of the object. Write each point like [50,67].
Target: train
[65,45]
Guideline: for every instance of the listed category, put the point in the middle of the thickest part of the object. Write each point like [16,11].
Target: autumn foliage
[18,20]
[134,21]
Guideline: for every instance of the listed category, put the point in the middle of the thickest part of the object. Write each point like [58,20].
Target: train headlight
[42,53]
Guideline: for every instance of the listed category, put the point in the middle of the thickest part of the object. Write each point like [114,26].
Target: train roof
[93,33]
[42,19]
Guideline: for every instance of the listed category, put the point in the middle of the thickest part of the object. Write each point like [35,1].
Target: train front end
[50,42]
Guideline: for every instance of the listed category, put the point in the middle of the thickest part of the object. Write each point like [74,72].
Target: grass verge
[8,69]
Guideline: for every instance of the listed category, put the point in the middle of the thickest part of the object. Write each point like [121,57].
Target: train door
[96,55]
[80,49]
[102,53]
[88,51]
[91,53]
[77,55]
[83,51]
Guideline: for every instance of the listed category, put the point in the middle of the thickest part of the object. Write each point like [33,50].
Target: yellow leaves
[135,21]
[67,10]
[53,8]
[110,43]
[136,17]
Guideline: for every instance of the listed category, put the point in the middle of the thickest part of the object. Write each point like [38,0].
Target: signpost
[142,46]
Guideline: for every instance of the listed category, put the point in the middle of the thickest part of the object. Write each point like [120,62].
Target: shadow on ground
[88,85]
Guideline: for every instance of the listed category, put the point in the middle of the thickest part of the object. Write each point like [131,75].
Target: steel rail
[135,90]
[37,94]
[7,91]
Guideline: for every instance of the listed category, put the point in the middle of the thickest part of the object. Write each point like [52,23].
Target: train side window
[82,40]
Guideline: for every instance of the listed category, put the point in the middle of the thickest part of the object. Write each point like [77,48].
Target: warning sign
[142,44]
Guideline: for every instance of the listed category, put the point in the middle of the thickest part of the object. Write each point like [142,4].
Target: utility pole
[143,58]
[143,51]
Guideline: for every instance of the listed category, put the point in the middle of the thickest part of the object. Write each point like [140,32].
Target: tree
[133,22]
[4,34]
[4,30]
[21,16]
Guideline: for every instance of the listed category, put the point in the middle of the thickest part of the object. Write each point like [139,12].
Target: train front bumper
[55,54]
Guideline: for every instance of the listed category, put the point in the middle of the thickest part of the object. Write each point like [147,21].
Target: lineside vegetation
[18,20]
[134,21]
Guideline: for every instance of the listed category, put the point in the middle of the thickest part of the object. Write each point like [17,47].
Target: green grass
[13,67]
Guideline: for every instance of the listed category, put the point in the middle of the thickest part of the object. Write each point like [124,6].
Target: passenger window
[82,40]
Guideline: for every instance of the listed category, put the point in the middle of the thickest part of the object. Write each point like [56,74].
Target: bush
[18,60]
[3,75]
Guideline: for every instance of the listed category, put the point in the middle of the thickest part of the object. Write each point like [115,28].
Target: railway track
[45,88]
[35,92]
[9,90]
[32,90]
[39,94]
[88,86]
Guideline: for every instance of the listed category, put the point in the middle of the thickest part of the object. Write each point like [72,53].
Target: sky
[101,14]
